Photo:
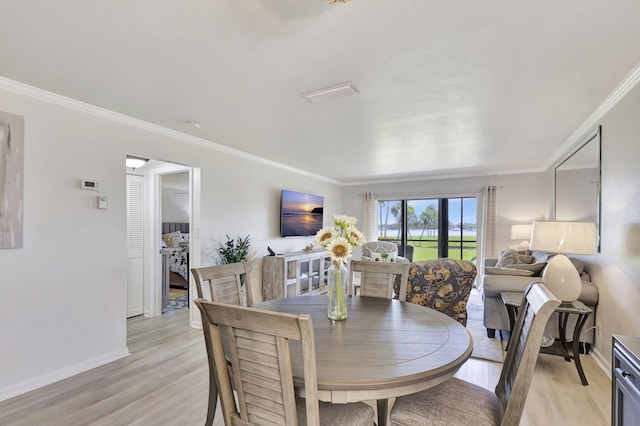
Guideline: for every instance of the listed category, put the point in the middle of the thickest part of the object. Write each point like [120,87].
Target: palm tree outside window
[430,228]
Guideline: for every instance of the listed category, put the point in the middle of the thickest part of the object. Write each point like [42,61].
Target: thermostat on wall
[103,202]
[90,185]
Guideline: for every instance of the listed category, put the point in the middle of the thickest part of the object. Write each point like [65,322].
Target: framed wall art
[11,180]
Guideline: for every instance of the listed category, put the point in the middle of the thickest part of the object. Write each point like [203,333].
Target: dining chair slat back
[221,284]
[258,343]
[462,403]
[513,386]
[377,278]
[224,283]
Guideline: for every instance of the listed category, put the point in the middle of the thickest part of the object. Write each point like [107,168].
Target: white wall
[67,286]
[616,271]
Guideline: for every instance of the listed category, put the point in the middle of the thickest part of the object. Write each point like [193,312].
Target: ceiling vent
[331,93]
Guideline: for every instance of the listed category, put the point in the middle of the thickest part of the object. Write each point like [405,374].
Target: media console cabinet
[294,274]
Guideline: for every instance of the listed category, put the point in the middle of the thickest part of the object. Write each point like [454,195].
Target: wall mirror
[577,179]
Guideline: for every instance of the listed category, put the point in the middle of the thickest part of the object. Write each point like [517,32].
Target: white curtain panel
[488,235]
[369,217]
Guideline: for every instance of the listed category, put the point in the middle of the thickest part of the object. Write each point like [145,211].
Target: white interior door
[135,242]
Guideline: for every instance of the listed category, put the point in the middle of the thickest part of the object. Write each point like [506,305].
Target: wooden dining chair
[258,344]
[224,283]
[457,402]
[377,278]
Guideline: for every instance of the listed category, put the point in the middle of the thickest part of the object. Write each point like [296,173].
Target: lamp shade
[560,276]
[521,232]
[564,237]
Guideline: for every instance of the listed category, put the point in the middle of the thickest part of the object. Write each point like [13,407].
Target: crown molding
[593,121]
[440,176]
[76,105]
[576,136]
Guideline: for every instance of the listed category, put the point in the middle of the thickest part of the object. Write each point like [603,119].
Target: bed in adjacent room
[175,257]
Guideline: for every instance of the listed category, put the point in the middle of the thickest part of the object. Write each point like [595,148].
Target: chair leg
[491,333]
[213,401]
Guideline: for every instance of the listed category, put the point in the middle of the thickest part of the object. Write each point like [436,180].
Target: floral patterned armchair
[443,285]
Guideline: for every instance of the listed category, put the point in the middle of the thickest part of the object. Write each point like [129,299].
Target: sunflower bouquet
[339,241]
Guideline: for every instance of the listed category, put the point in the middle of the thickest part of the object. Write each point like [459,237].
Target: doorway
[175,218]
[152,175]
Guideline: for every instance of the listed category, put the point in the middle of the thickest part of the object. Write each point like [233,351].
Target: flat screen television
[300,214]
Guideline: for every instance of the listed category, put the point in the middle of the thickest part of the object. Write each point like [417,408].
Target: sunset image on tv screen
[301,214]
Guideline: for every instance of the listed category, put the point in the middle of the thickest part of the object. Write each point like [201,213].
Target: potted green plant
[234,250]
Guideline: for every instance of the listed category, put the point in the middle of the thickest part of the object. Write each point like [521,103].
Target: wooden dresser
[625,381]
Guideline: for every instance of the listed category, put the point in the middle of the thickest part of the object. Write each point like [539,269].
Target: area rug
[483,346]
[176,303]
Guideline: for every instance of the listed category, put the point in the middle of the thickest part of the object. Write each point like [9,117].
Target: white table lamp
[522,233]
[560,276]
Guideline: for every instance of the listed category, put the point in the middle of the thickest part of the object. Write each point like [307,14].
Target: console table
[560,346]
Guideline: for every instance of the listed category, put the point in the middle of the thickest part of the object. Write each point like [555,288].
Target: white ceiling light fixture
[331,93]
[135,162]
[193,124]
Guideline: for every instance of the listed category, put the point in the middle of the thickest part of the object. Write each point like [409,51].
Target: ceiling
[448,88]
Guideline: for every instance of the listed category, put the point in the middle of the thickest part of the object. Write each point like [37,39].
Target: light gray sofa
[495,313]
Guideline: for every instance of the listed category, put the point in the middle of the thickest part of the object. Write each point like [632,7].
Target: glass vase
[337,282]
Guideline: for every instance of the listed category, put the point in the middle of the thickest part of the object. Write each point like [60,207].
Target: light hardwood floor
[164,382]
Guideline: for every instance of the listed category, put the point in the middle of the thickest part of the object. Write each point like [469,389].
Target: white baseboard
[63,373]
[601,361]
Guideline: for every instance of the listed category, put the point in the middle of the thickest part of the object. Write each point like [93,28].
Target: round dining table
[384,349]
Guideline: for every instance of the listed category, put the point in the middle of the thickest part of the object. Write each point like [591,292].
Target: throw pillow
[549,256]
[383,257]
[540,256]
[177,240]
[167,237]
[509,257]
[508,271]
[536,268]
[173,239]
[510,249]
[578,264]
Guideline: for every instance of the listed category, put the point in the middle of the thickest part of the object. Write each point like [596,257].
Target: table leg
[563,318]
[384,411]
[582,319]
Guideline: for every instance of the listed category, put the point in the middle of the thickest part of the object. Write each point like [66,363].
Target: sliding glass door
[430,228]
[462,236]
